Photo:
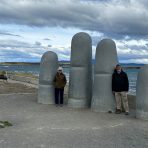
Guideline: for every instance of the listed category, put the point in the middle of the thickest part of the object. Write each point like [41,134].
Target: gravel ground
[46,126]
[15,87]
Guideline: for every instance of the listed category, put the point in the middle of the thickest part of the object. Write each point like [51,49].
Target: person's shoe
[126,113]
[110,111]
[118,111]
[61,105]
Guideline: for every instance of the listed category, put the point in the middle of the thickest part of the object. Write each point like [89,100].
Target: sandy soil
[7,88]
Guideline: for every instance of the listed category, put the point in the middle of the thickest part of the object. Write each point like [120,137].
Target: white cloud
[123,21]
[13,50]
[135,51]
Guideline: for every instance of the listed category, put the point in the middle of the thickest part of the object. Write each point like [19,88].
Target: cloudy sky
[28,28]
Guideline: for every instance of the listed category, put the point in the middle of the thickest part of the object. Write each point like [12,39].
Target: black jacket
[120,82]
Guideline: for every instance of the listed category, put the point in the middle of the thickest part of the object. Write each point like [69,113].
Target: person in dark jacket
[59,84]
[120,87]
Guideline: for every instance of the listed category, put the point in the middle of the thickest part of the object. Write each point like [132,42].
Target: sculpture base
[102,109]
[103,99]
[142,115]
[45,94]
[75,103]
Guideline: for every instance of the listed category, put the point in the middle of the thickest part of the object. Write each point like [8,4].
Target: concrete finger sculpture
[48,69]
[80,80]
[105,61]
[142,93]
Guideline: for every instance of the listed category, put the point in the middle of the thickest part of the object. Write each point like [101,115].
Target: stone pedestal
[80,79]
[105,61]
[142,93]
[48,69]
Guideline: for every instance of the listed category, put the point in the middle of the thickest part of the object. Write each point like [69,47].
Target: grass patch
[4,124]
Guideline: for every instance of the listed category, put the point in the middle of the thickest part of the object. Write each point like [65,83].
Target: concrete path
[46,126]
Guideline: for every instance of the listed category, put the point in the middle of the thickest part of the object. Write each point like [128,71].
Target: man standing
[120,87]
[59,84]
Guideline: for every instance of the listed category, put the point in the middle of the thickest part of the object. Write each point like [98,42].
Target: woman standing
[59,84]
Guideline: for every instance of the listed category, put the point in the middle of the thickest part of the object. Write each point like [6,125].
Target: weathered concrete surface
[142,93]
[106,59]
[48,69]
[46,126]
[80,78]
[132,101]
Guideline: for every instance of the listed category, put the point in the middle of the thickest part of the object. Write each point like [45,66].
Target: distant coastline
[18,63]
[30,63]
[67,64]
[29,69]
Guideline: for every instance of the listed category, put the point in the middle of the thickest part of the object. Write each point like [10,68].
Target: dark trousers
[59,95]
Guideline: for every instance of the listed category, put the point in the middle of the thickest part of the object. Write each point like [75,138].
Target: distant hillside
[18,63]
[131,64]
[66,63]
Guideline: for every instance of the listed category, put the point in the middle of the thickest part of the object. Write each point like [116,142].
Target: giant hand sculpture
[80,81]
[48,69]
[142,93]
[105,61]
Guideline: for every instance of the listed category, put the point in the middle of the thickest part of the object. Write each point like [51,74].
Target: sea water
[34,69]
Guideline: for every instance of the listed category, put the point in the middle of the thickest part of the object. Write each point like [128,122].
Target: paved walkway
[46,126]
